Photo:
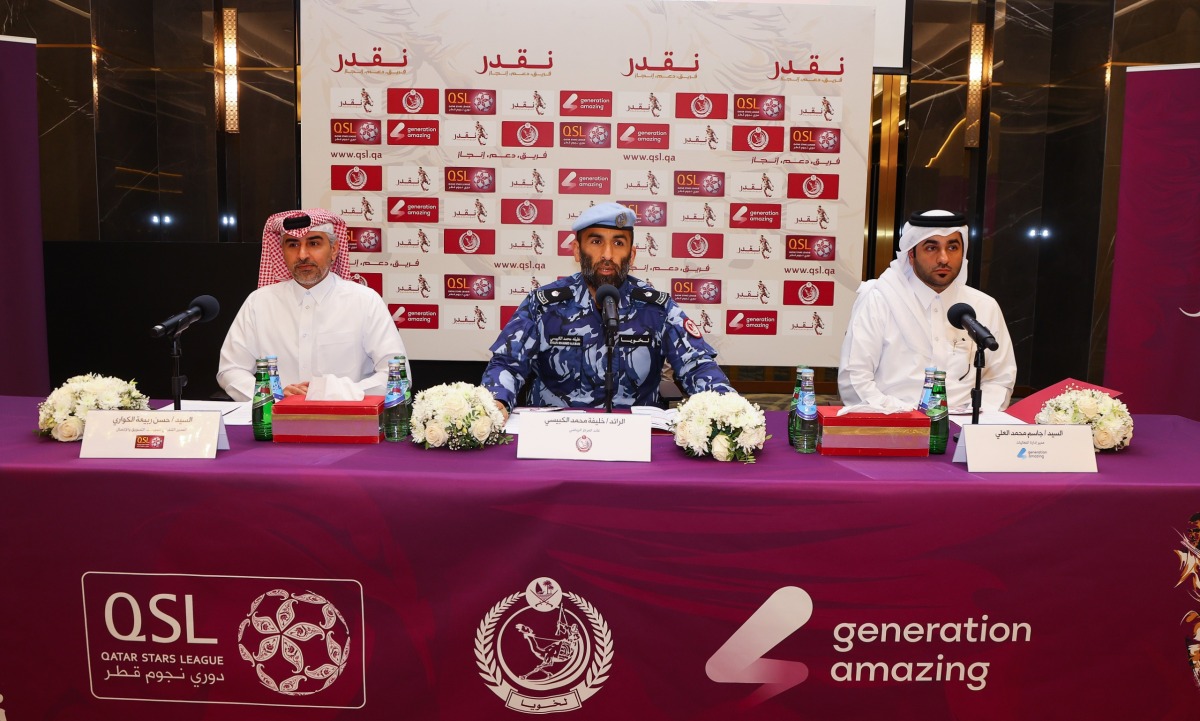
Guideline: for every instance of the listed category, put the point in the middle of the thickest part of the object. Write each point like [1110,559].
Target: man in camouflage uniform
[557,334]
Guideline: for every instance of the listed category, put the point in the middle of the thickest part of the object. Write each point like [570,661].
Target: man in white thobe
[898,326]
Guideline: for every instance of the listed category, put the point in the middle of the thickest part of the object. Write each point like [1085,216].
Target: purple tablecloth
[424,584]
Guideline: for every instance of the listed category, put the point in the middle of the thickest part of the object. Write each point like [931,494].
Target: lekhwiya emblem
[543,650]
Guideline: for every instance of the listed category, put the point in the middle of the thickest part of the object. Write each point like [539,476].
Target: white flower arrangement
[725,425]
[62,415]
[457,416]
[1112,426]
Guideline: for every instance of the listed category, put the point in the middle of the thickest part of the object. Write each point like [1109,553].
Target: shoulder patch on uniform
[691,327]
[649,295]
[546,296]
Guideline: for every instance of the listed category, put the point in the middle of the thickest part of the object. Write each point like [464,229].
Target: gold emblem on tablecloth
[543,650]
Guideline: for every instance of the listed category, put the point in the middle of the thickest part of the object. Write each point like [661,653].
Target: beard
[595,280]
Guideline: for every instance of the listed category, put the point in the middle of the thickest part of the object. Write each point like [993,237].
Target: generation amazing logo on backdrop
[225,639]
[423,316]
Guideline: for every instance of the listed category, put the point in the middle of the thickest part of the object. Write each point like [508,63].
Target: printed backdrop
[460,144]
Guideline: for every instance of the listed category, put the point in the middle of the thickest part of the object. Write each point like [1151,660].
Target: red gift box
[871,434]
[298,420]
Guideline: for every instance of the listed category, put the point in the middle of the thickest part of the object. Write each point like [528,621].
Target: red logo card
[697,245]
[413,101]
[583,181]
[756,216]
[470,287]
[355,177]
[566,240]
[531,134]
[815,186]
[526,212]
[706,183]
[413,132]
[758,138]
[354,132]
[696,290]
[702,106]
[808,292]
[758,107]
[470,180]
[644,135]
[470,102]
[649,212]
[751,322]
[472,241]
[811,247]
[816,140]
[366,240]
[374,281]
[412,210]
[584,135]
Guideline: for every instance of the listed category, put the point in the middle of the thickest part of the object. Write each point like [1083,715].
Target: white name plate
[575,436]
[152,434]
[1029,449]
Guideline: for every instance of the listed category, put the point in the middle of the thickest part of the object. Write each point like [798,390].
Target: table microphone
[202,309]
[962,316]
[608,297]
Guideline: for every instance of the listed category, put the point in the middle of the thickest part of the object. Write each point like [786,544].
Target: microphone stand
[977,392]
[610,342]
[178,380]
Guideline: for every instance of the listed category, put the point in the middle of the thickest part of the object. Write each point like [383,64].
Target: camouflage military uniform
[557,337]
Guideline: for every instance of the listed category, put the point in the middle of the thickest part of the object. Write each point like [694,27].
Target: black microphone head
[208,305]
[957,312]
[608,291]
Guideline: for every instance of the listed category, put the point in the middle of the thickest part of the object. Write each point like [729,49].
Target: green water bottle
[806,439]
[794,411]
[264,401]
[396,402]
[939,415]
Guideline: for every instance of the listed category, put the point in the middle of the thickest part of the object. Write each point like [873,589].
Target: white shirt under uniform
[336,327]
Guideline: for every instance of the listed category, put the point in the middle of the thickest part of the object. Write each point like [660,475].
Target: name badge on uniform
[566,341]
[634,340]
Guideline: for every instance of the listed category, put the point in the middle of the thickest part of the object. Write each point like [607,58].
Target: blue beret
[606,215]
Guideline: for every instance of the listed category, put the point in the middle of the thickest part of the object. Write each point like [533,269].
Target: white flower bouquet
[1112,426]
[61,416]
[726,425]
[457,416]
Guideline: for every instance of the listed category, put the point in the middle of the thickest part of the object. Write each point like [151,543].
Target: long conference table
[390,582]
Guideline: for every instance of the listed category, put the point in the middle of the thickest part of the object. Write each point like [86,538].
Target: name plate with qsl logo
[153,434]
[583,436]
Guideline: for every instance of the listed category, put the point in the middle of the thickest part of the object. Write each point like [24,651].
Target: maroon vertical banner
[1154,317]
[26,372]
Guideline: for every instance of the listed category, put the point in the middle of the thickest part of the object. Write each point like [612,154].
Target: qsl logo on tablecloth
[225,639]
[543,650]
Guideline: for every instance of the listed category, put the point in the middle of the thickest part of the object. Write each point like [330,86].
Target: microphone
[607,297]
[202,309]
[962,316]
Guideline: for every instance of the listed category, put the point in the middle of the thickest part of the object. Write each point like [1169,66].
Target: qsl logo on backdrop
[808,292]
[412,210]
[582,181]
[696,290]
[543,649]
[816,140]
[651,213]
[756,216]
[225,639]
[470,287]
[366,240]
[532,134]
[472,241]
[413,132]
[758,107]
[822,186]
[413,101]
[355,177]
[811,247]
[644,135]
[586,103]
[374,281]
[584,135]
[704,183]
[526,212]
[414,315]
[470,180]
[354,132]
[470,102]
[702,106]
[751,322]
[697,245]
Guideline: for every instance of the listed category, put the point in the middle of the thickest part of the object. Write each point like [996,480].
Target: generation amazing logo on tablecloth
[544,649]
[225,639]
